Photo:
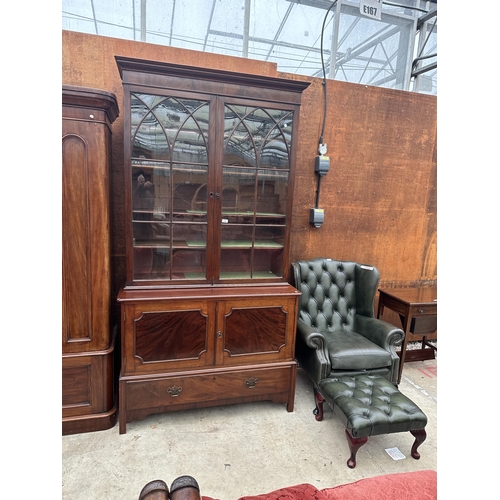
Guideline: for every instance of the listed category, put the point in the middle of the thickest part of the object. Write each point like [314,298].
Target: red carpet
[298,492]
[419,485]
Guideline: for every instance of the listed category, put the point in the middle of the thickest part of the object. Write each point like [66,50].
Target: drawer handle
[421,311]
[174,391]
[251,382]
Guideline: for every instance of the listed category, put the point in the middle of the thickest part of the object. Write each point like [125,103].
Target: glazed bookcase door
[209,182]
[255,177]
[169,160]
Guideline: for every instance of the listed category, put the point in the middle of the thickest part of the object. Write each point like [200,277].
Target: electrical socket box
[322,165]
[316,216]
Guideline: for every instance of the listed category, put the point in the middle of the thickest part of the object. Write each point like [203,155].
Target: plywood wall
[380,194]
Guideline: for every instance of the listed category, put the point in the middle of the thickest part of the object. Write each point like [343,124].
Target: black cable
[317,191]
[324,95]
[406,6]
[324,72]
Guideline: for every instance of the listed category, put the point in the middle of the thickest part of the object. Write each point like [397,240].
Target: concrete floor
[244,449]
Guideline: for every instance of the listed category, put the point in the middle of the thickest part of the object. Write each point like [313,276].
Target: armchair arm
[384,335]
[379,332]
[312,351]
[311,336]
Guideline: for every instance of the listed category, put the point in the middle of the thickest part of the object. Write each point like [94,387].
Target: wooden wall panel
[380,194]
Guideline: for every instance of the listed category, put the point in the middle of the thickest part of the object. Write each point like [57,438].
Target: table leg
[380,309]
[402,356]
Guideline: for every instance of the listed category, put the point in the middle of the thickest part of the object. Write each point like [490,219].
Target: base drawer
[179,390]
[423,325]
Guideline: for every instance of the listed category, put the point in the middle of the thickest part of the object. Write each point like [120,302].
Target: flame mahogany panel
[170,335]
[255,330]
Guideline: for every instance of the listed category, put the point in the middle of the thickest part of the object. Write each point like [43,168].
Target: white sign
[371,8]
[395,453]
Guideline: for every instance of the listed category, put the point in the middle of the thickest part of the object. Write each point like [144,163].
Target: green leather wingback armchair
[337,333]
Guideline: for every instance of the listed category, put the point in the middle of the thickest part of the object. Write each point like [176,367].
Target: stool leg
[319,399]
[354,445]
[420,436]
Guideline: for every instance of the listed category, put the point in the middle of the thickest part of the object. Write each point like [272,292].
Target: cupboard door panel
[166,337]
[172,335]
[255,331]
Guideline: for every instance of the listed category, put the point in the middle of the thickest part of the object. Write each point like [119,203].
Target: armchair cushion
[351,351]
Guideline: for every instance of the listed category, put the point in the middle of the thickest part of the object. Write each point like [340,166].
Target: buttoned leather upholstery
[370,405]
[337,333]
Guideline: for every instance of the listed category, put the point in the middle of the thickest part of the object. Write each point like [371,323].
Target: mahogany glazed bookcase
[207,314]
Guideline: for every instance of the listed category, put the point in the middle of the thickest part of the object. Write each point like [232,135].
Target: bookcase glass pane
[275,152]
[169,128]
[238,191]
[272,192]
[251,263]
[150,201]
[257,136]
[189,264]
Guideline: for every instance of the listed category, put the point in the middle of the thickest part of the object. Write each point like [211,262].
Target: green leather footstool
[369,405]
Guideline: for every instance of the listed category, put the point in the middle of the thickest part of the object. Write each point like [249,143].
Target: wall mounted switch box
[316,216]
[322,165]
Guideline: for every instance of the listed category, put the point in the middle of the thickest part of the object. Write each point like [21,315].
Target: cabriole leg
[319,399]
[354,445]
[420,436]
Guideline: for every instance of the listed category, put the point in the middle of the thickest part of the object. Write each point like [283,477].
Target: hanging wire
[324,73]
[322,146]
